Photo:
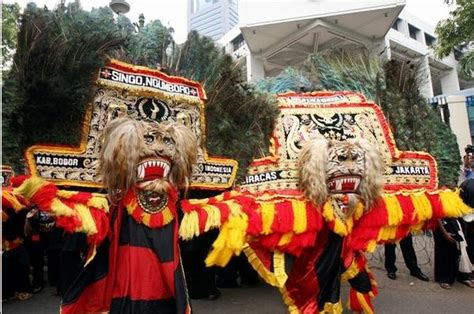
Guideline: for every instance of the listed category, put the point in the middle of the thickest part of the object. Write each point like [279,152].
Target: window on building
[429,40]
[238,42]
[470,113]
[198,5]
[397,25]
[413,31]
[458,54]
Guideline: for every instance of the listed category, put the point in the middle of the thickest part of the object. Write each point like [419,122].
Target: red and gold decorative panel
[140,93]
[335,116]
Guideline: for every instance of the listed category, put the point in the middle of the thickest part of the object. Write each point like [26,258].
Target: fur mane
[312,165]
[123,147]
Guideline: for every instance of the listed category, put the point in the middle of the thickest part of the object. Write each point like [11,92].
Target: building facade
[271,37]
[212,18]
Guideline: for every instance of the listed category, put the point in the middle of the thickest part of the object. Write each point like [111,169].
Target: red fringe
[313,217]
[44,196]
[406,204]
[102,223]
[80,197]
[436,205]
[225,211]
[299,242]
[353,301]
[18,180]
[202,218]
[68,223]
[284,213]
[270,241]
[250,208]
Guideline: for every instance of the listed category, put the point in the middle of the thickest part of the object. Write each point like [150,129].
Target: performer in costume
[137,268]
[307,244]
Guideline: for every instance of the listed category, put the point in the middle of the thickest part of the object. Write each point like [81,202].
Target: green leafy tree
[59,51]
[416,125]
[10,15]
[239,119]
[46,92]
[149,46]
[458,31]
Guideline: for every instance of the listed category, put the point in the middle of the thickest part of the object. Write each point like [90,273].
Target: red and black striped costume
[137,268]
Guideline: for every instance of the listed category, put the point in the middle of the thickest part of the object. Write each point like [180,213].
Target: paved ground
[404,295]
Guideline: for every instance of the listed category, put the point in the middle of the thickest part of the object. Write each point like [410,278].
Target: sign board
[140,93]
[336,116]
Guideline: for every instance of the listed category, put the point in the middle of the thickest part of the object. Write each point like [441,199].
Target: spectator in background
[37,227]
[448,240]
[15,259]
[409,256]
[468,161]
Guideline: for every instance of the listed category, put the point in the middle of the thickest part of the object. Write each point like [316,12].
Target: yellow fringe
[66,194]
[350,272]
[453,206]
[285,239]
[58,208]
[332,308]
[341,228]
[257,264]
[299,214]
[231,239]
[387,233]
[417,227]
[100,202]
[292,309]
[87,222]
[146,219]
[279,268]
[94,253]
[365,306]
[268,214]
[189,226]
[30,187]
[371,246]
[167,215]
[422,206]
[394,210]
[213,217]
[17,206]
[359,210]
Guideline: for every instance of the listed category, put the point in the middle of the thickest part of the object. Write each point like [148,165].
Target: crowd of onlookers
[30,241]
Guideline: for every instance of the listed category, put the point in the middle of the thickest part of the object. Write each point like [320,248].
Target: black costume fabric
[136,270]
[409,256]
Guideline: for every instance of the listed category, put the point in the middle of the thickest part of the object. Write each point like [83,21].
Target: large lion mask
[352,167]
[150,154]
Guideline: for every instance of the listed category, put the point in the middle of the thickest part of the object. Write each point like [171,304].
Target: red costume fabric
[137,269]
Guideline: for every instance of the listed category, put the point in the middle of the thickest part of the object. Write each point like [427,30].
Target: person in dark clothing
[37,227]
[71,260]
[237,272]
[15,259]
[200,280]
[409,256]
[447,253]
[467,195]
[35,244]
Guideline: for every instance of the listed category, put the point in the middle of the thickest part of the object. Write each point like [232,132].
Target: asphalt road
[404,295]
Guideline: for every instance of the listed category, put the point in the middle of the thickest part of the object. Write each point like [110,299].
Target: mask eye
[341,158]
[168,140]
[149,138]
